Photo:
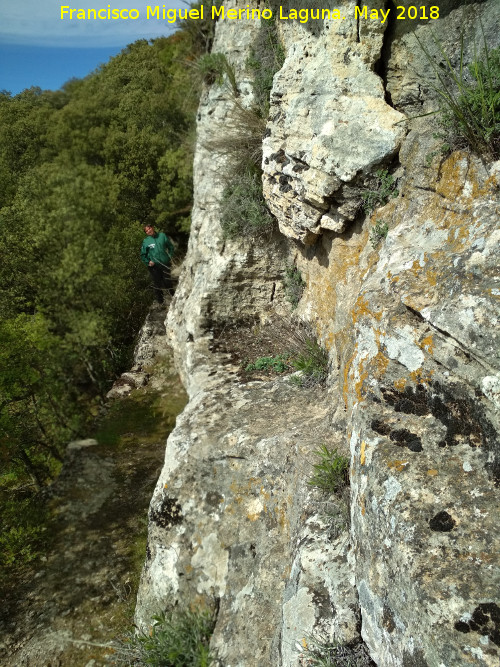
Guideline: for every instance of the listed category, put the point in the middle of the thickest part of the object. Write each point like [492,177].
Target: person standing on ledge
[156,252]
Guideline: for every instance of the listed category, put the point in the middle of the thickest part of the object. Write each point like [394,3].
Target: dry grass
[249,341]
[241,142]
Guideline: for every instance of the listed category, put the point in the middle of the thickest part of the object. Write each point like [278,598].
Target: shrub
[331,474]
[469,99]
[243,209]
[178,639]
[23,537]
[306,353]
[379,231]
[294,285]
[278,364]
[385,189]
[245,126]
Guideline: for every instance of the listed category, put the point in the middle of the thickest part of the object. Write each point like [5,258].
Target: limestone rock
[229,522]
[329,125]
[410,321]
[424,439]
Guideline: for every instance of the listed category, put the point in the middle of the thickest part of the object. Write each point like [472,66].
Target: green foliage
[312,361]
[379,231]
[295,347]
[294,285]
[212,68]
[23,534]
[323,652]
[266,58]
[277,364]
[178,639]
[241,142]
[79,168]
[331,474]
[385,189]
[200,31]
[172,205]
[469,98]
[442,151]
[244,213]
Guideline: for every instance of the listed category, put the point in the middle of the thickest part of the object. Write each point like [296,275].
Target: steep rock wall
[412,331]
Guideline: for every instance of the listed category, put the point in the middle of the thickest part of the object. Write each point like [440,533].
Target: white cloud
[38,22]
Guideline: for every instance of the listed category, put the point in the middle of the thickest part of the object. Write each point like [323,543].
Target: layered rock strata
[410,320]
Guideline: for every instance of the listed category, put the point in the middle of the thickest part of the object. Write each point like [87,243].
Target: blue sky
[37,48]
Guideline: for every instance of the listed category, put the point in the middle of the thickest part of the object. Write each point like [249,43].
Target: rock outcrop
[410,321]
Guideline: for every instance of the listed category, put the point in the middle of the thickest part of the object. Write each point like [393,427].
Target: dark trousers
[160,276]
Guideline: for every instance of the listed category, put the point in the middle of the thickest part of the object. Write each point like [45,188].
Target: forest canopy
[81,169]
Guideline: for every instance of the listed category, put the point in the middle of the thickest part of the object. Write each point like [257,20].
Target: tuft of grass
[177,639]
[385,189]
[469,97]
[331,473]
[379,231]
[241,142]
[244,213]
[213,67]
[294,285]
[321,652]
[312,361]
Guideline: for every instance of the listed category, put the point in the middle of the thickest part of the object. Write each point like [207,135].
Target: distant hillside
[80,168]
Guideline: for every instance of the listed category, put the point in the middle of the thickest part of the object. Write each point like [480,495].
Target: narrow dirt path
[67,608]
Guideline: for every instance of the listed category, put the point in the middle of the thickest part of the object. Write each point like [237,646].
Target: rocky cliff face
[410,322]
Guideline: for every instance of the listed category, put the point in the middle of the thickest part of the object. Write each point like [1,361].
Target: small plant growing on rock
[178,639]
[379,231]
[312,361]
[244,213]
[469,97]
[385,189]
[277,364]
[212,68]
[331,473]
[294,285]
[442,151]
[290,345]
[200,31]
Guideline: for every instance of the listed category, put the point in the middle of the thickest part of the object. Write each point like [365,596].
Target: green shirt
[157,249]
